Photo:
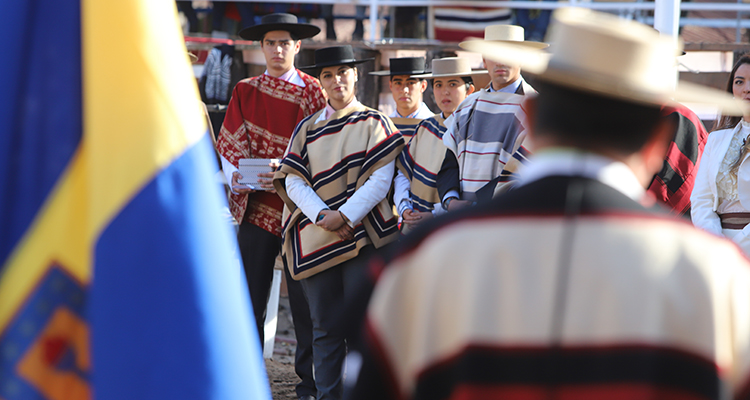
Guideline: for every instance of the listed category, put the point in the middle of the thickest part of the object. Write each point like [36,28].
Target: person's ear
[470,89]
[297,45]
[424,84]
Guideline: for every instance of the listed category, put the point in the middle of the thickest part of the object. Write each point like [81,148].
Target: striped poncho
[487,133]
[335,157]
[407,126]
[420,162]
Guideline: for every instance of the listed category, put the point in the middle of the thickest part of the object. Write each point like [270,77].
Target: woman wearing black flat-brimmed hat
[334,180]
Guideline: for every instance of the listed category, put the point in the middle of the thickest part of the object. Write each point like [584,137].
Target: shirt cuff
[451,193]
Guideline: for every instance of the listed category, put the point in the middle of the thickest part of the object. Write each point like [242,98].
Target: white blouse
[726,180]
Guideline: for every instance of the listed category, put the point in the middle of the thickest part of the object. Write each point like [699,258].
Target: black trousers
[259,249]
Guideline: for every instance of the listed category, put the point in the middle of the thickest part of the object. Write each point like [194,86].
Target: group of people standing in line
[555,276]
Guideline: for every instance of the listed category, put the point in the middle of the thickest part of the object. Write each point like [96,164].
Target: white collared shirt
[329,110]
[571,162]
[511,88]
[423,112]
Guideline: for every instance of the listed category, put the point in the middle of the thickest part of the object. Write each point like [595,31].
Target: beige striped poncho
[335,157]
[420,162]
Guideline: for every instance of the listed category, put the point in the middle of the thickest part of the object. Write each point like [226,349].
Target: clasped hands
[333,221]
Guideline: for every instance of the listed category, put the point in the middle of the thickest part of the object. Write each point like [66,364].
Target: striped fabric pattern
[335,157]
[487,134]
[456,23]
[650,309]
[407,126]
[420,162]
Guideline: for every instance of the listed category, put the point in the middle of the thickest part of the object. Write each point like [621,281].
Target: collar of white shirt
[508,89]
[423,112]
[571,162]
[292,77]
[330,110]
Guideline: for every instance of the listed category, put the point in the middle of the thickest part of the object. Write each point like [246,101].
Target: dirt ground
[280,367]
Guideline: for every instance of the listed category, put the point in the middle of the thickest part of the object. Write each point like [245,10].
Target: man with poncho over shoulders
[260,119]
[486,135]
[415,186]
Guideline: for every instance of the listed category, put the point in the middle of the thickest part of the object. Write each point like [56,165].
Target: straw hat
[609,56]
[404,66]
[450,66]
[506,33]
[279,22]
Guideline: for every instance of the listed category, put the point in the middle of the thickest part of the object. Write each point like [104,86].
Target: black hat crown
[279,22]
[334,55]
[404,66]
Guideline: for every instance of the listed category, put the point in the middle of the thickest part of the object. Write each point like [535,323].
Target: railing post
[667,17]
[373,19]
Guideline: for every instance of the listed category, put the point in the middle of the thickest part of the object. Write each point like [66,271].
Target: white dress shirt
[508,89]
[572,162]
[423,112]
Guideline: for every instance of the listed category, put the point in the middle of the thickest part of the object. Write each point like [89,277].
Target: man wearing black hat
[260,119]
[407,90]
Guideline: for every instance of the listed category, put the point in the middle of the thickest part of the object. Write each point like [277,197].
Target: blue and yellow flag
[117,277]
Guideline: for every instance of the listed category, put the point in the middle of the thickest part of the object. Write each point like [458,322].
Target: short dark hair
[591,121]
[411,77]
[292,35]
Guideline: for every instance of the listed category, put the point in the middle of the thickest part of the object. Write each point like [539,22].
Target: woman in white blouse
[721,196]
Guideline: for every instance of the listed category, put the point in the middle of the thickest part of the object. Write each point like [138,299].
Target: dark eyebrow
[739,77]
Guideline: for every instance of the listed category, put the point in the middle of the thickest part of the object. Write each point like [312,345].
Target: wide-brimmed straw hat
[507,33]
[332,56]
[279,22]
[450,67]
[404,66]
[606,55]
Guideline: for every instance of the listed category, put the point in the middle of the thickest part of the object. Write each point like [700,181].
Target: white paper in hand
[249,168]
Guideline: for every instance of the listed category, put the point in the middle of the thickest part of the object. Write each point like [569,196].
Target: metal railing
[626,9]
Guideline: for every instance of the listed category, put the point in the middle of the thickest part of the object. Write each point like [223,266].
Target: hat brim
[526,43]
[397,73]
[316,67]
[301,31]
[537,62]
[457,75]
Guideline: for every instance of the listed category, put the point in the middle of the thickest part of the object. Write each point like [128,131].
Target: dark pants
[259,249]
[326,293]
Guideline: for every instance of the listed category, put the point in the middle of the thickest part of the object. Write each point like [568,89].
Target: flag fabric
[117,272]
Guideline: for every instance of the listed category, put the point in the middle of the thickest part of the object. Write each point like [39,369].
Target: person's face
[502,75]
[279,50]
[338,82]
[449,93]
[407,92]
[741,83]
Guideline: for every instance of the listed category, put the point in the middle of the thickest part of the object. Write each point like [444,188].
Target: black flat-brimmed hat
[279,22]
[332,56]
[404,66]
